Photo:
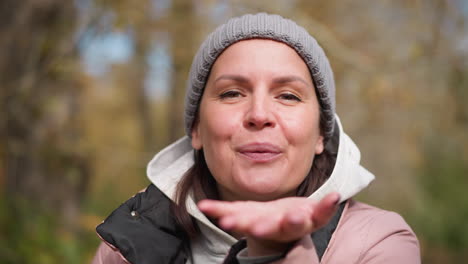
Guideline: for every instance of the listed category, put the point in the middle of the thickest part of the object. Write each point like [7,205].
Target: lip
[260,152]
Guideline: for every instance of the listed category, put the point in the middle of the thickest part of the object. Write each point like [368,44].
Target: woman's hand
[270,227]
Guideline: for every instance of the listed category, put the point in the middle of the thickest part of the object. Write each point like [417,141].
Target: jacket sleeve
[302,252]
[390,240]
[386,239]
[106,255]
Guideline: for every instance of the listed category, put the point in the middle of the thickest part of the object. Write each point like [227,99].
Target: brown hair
[199,182]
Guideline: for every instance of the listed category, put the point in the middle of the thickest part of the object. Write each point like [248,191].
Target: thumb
[325,209]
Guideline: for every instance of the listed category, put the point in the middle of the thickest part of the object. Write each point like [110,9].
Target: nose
[259,115]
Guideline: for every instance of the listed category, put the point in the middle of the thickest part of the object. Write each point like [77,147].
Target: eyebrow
[289,79]
[278,80]
[232,77]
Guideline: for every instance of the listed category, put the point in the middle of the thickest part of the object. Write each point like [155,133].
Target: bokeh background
[90,90]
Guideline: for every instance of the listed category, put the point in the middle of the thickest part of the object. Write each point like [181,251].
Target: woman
[266,174]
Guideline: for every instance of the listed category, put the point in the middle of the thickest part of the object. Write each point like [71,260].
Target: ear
[196,136]
[319,145]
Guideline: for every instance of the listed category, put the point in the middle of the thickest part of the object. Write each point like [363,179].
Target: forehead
[260,55]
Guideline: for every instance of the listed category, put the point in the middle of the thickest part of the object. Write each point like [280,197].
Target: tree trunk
[39,103]
[183,34]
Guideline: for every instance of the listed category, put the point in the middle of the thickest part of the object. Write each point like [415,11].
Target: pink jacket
[365,234]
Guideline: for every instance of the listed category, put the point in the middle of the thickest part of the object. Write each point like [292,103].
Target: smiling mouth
[259,152]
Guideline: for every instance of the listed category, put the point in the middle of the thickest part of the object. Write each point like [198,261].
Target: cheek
[219,124]
[217,128]
[301,129]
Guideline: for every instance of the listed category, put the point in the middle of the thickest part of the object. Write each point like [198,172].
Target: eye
[230,94]
[289,97]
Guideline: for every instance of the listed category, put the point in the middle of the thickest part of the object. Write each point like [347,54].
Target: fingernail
[337,200]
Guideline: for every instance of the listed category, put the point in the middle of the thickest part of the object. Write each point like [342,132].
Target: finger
[325,209]
[216,208]
[289,223]
[227,222]
[235,216]
[266,227]
[297,222]
[236,222]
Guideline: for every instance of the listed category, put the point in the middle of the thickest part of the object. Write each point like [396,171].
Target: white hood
[168,166]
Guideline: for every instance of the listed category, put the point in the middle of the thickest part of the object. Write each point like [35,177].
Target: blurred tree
[137,19]
[140,70]
[441,208]
[40,101]
[183,29]
[45,168]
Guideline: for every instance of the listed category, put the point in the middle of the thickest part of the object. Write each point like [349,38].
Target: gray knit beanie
[263,26]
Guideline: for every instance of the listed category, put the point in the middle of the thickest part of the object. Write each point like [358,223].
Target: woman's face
[258,121]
